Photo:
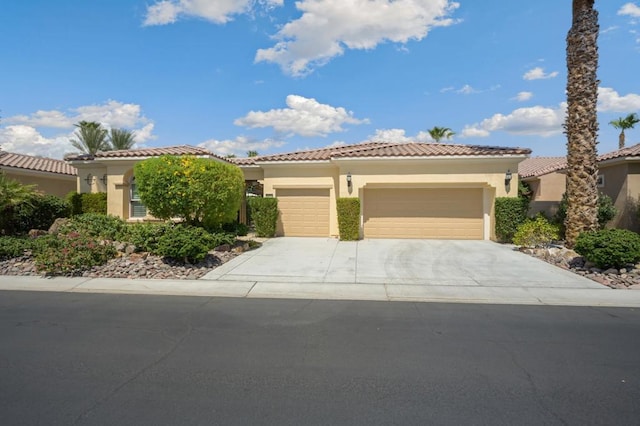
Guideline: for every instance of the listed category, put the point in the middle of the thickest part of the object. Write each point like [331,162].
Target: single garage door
[423,213]
[303,212]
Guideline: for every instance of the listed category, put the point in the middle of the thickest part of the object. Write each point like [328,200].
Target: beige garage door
[303,212]
[423,213]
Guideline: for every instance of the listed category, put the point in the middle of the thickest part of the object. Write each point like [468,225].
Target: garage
[437,213]
[303,212]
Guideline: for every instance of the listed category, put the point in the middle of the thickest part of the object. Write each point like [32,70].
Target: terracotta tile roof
[145,152]
[40,164]
[538,166]
[382,149]
[630,151]
[243,161]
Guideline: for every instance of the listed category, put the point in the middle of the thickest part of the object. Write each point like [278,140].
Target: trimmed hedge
[349,218]
[264,214]
[87,203]
[39,212]
[609,247]
[511,212]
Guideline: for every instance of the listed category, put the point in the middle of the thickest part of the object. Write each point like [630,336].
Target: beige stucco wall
[47,183]
[547,191]
[622,184]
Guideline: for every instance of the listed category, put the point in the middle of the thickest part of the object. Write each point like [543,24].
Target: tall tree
[438,133]
[624,123]
[121,139]
[252,153]
[581,124]
[90,137]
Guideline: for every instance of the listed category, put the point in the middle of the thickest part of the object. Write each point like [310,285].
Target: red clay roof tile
[40,164]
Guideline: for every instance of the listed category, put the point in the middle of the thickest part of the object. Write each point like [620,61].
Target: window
[137,208]
[600,181]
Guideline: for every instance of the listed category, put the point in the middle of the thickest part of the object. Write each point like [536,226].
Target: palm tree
[90,138]
[121,139]
[623,124]
[252,153]
[13,192]
[438,133]
[581,125]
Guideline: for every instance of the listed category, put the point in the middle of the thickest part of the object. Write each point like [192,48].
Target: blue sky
[279,75]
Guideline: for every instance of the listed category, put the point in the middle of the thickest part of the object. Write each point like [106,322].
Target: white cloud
[398,136]
[240,145]
[610,100]
[538,73]
[218,11]
[630,9]
[22,135]
[328,27]
[467,89]
[523,96]
[23,139]
[537,120]
[304,116]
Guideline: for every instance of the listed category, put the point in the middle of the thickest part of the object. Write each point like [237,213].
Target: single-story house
[618,177]
[547,180]
[50,176]
[407,190]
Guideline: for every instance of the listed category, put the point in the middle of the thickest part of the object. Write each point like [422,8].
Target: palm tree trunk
[621,140]
[582,122]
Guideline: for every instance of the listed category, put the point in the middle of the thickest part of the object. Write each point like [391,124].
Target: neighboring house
[50,176]
[618,177]
[546,177]
[407,190]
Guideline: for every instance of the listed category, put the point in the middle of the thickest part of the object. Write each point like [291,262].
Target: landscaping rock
[55,226]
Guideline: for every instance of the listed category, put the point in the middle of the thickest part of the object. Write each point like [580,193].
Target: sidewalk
[333,291]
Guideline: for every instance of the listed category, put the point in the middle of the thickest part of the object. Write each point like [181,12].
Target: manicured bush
[95,225]
[39,213]
[349,218]
[536,232]
[144,236]
[11,247]
[200,191]
[70,254]
[236,228]
[510,212]
[94,203]
[75,202]
[264,213]
[609,247]
[606,211]
[189,243]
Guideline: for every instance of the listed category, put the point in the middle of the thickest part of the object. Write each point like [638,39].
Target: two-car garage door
[445,213]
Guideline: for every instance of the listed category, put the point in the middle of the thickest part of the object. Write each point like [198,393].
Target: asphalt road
[99,359]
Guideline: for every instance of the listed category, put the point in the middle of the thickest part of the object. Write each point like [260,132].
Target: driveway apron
[395,262]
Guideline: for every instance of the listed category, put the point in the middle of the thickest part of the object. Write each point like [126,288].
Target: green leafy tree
[201,191]
[121,139]
[438,133]
[90,137]
[581,124]
[624,123]
[252,153]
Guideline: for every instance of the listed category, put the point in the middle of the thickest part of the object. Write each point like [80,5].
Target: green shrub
[186,242]
[510,213]
[264,213]
[94,203]
[536,232]
[200,191]
[39,213]
[606,211]
[11,247]
[95,225]
[609,247]
[70,254]
[349,218]
[145,236]
[75,202]
[236,228]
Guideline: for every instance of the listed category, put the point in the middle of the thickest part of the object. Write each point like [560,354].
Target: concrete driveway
[395,262]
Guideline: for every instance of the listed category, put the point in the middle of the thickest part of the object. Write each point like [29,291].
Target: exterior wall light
[349,180]
[89,179]
[103,179]
[508,177]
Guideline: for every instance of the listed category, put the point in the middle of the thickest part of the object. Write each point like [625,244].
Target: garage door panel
[303,212]
[423,213]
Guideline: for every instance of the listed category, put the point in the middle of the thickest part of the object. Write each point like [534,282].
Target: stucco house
[407,190]
[618,177]
[50,176]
